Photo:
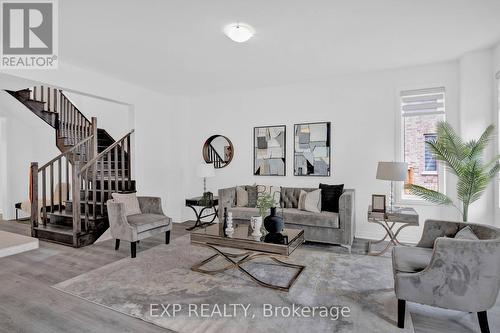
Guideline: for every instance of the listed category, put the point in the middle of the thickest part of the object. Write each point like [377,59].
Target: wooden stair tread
[120,178]
[70,215]
[81,203]
[56,228]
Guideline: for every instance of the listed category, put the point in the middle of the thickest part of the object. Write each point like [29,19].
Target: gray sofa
[451,273]
[324,227]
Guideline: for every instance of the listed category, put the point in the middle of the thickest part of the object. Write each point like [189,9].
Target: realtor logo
[29,34]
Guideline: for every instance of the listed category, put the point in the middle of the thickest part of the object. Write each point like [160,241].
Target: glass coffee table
[214,238]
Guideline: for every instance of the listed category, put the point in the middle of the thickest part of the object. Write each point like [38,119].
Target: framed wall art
[269,150]
[312,145]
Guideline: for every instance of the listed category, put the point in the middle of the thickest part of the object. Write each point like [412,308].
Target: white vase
[229,224]
[256,224]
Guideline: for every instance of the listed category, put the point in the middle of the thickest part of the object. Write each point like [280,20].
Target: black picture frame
[377,208]
[255,147]
[328,145]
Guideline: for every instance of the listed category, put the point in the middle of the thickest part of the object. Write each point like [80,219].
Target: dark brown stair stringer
[36,107]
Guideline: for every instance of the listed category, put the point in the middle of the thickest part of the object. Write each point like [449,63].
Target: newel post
[34,196]
[94,138]
[75,188]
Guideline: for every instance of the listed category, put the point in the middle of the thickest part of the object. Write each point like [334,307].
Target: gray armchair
[133,228]
[442,271]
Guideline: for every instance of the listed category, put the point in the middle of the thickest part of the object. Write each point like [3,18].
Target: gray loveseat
[324,227]
[451,273]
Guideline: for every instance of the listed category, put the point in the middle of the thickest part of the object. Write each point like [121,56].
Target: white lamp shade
[206,170]
[394,171]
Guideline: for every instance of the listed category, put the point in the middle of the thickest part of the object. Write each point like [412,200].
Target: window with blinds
[422,102]
[421,110]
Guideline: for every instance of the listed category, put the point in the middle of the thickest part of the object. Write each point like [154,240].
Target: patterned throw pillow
[241,197]
[275,191]
[252,195]
[130,202]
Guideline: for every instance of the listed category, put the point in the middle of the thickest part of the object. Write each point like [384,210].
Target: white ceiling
[178,45]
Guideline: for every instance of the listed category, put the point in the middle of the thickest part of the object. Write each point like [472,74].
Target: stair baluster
[44,196]
[42,97]
[214,157]
[34,197]
[77,224]
[94,175]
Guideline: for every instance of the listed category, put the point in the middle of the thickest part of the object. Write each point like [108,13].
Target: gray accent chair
[450,273]
[134,228]
[325,227]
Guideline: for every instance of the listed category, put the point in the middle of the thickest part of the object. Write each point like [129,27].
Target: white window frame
[401,198]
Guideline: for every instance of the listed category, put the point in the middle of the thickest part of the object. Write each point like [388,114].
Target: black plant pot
[273,223]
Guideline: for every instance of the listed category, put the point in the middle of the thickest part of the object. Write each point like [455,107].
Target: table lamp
[205,170]
[393,171]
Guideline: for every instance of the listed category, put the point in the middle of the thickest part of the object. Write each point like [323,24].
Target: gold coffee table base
[246,257]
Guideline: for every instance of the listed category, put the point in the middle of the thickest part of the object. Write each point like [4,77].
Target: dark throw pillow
[330,195]
[252,196]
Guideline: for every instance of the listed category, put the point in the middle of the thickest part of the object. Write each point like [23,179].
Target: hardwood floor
[29,304]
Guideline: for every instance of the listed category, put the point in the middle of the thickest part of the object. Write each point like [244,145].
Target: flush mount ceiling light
[239,32]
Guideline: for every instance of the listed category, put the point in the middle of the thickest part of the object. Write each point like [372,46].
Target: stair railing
[48,95]
[72,124]
[61,169]
[214,157]
[110,171]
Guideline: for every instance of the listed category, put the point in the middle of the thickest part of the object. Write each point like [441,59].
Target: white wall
[27,139]
[476,113]
[363,109]
[3,165]
[496,109]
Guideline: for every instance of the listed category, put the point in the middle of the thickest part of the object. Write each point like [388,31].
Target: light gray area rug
[162,275]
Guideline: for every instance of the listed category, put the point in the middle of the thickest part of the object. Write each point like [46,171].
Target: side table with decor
[405,216]
[205,203]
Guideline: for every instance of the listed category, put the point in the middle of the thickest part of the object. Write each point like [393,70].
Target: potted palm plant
[466,161]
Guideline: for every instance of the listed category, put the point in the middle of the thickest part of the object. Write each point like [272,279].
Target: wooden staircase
[91,162]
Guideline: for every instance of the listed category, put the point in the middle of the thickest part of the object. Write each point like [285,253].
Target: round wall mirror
[218,150]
